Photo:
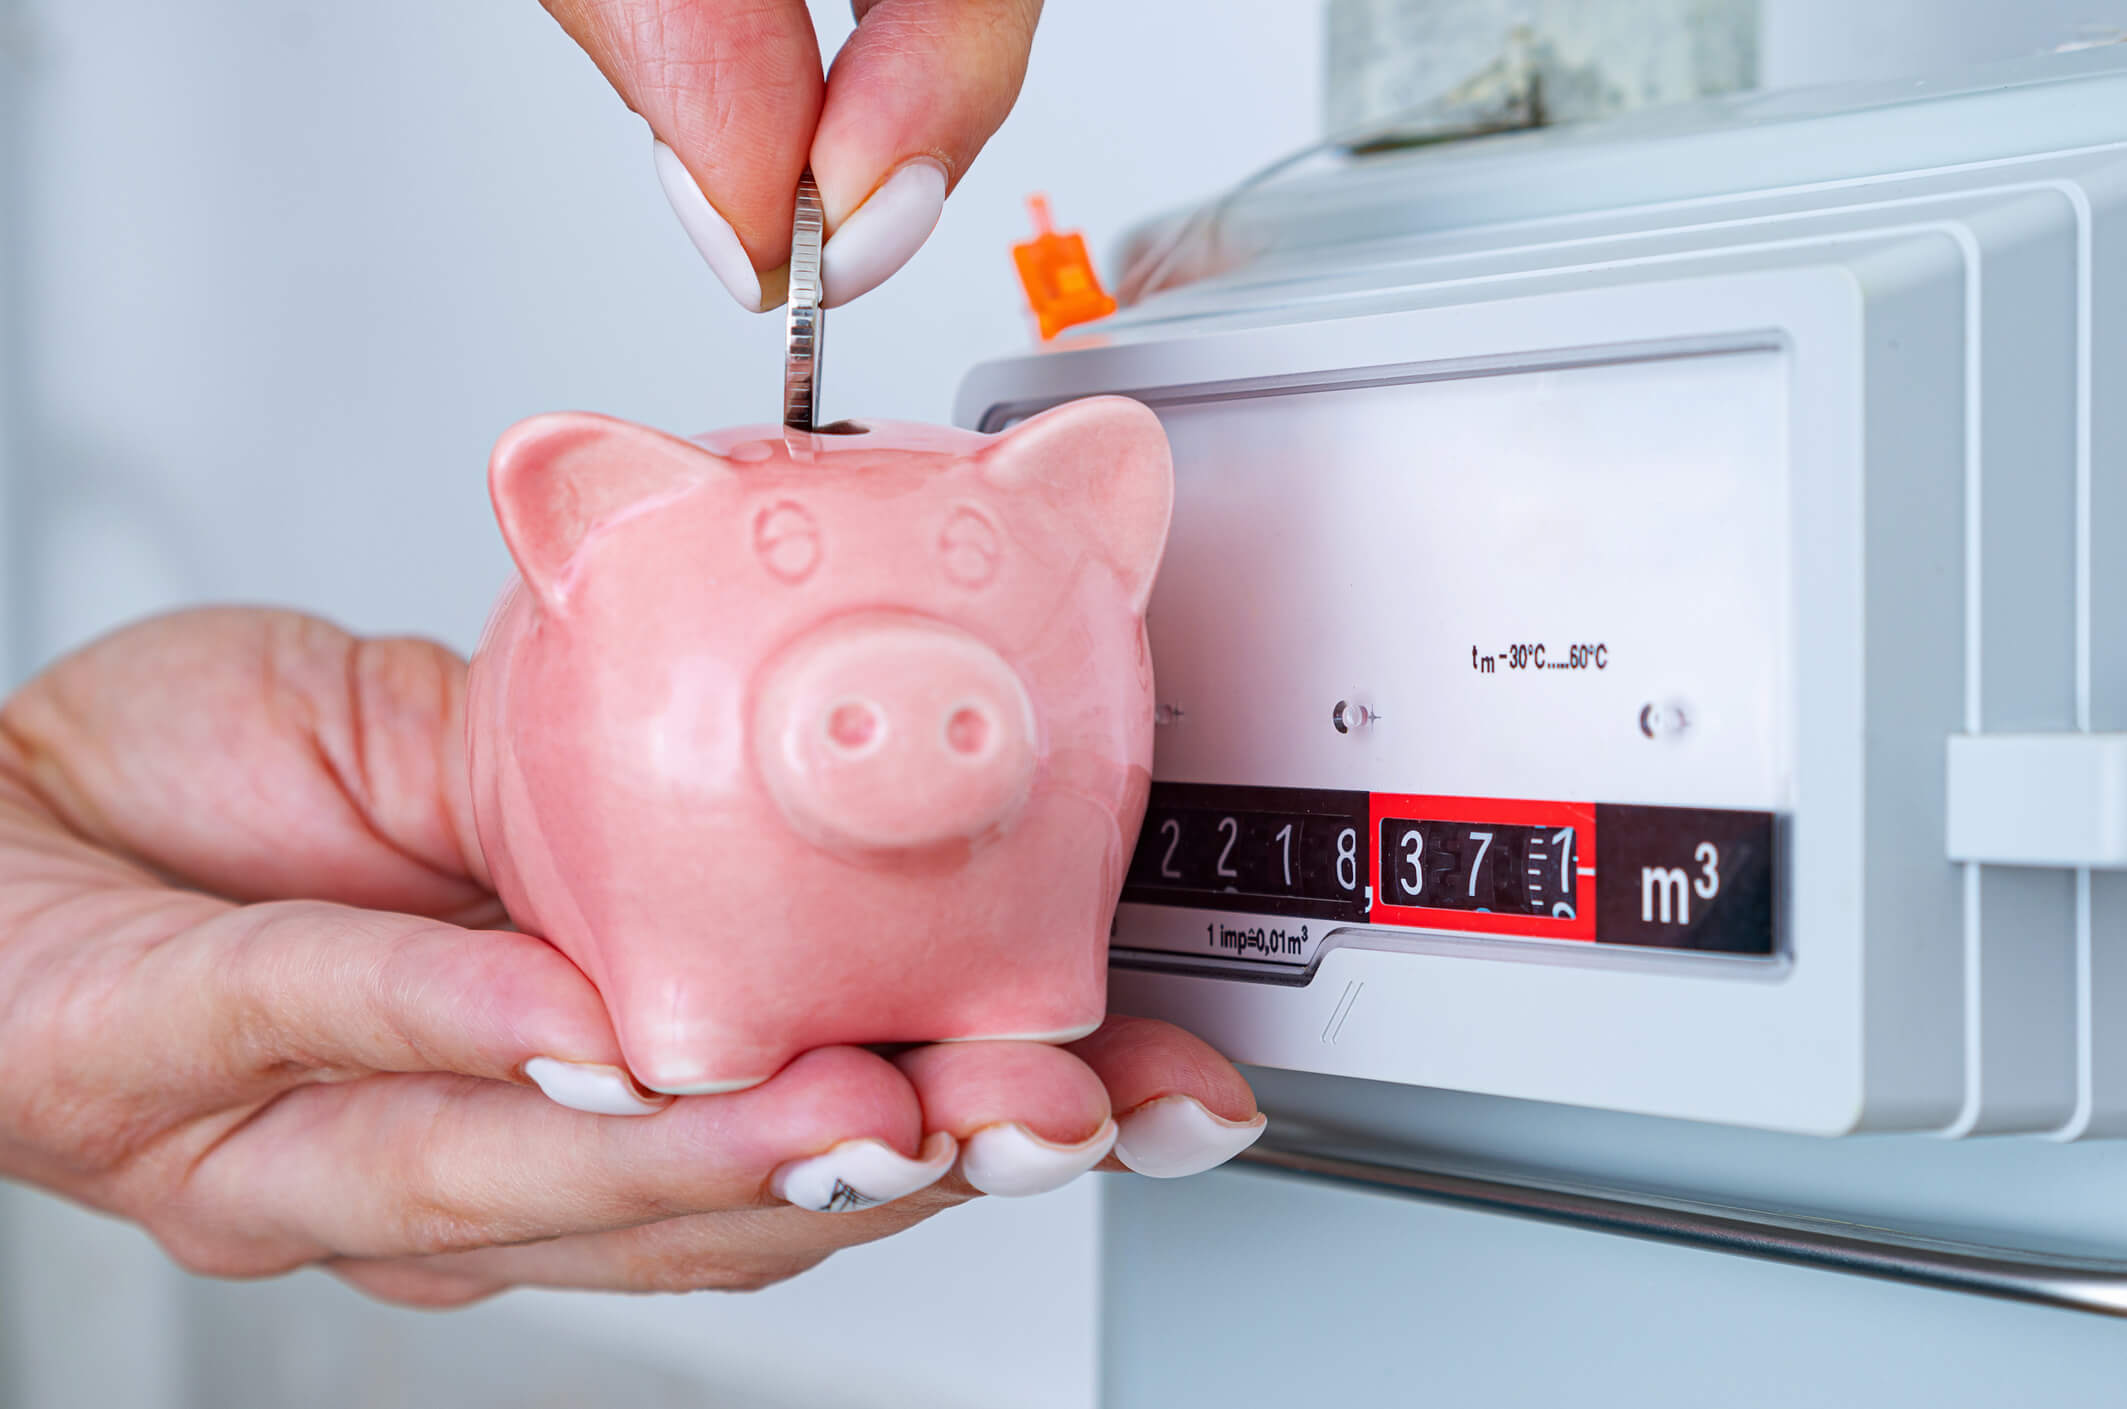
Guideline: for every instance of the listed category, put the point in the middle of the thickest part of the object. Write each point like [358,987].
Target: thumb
[731,90]
[914,94]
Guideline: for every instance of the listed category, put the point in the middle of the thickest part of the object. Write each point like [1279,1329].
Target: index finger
[183,1005]
[732,90]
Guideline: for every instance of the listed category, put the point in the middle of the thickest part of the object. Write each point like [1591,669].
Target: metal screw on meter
[1663,721]
[1348,715]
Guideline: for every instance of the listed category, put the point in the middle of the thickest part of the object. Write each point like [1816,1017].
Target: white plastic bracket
[2038,799]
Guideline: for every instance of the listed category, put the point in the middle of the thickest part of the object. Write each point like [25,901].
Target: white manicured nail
[587,1086]
[1175,1136]
[882,234]
[711,233]
[1013,1162]
[862,1174]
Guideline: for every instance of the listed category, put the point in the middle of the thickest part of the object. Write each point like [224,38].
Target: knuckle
[414,1288]
[65,1095]
[424,1226]
[434,1296]
[260,993]
[439,1197]
[208,1253]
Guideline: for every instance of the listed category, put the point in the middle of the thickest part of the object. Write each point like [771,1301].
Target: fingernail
[712,234]
[775,286]
[1013,1162]
[862,1174]
[882,234]
[588,1086]
[1175,1136]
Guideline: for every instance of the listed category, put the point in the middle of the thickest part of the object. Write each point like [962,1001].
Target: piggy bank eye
[787,541]
[968,547]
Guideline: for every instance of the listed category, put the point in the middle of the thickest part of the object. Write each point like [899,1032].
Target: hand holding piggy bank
[792,739]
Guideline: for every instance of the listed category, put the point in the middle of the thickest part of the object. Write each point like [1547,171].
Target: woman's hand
[734,94]
[250,997]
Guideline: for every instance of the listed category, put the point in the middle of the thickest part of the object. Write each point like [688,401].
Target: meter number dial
[1272,851]
[1677,878]
[1496,867]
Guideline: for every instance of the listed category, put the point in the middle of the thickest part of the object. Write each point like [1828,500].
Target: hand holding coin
[738,102]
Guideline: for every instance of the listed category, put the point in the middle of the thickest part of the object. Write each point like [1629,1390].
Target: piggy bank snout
[887,732]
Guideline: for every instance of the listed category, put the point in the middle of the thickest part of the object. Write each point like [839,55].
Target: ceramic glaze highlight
[794,739]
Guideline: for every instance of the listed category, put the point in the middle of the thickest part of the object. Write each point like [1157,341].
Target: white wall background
[293,265]
[273,275]
[288,268]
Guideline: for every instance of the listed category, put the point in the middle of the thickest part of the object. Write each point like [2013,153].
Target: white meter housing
[1644,612]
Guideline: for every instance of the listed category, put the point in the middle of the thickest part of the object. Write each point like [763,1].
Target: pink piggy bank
[793,739]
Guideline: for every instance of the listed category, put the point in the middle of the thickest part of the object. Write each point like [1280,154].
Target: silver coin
[805,327]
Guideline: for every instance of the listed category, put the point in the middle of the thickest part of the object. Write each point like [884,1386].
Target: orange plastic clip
[1062,287]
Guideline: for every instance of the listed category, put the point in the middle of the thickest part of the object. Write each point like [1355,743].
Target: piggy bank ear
[556,478]
[1106,457]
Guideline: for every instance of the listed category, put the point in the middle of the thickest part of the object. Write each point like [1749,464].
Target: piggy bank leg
[695,1029]
[1053,1036]
[1052,1027]
[1044,968]
[1054,998]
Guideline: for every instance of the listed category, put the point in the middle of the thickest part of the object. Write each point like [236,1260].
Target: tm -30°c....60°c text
[1579,656]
